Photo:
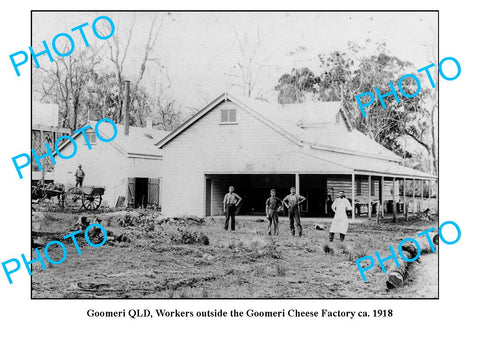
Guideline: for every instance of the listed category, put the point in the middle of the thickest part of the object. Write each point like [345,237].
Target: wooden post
[414,189]
[404,198]
[394,201]
[297,187]
[380,206]
[297,183]
[353,197]
[429,188]
[369,196]
[421,197]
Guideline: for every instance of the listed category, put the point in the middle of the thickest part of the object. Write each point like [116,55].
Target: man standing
[271,210]
[230,204]
[340,220]
[292,202]
[79,175]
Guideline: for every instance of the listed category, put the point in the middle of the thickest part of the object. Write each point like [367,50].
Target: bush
[185,236]
[327,249]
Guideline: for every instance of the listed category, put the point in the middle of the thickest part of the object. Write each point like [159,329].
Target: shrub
[185,236]
[327,249]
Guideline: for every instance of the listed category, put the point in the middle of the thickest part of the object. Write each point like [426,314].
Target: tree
[118,51]
[342,76]
[249,65]
[293,87]
[87,90]
[65,83]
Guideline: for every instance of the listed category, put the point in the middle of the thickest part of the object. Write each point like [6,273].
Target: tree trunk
[433,145]
[75,113]
[396,275]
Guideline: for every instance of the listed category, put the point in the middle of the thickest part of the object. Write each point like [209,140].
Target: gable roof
[310,123]
[312,127]
[223,97]
[140,142]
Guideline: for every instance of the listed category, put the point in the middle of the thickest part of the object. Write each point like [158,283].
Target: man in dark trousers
[230,204]
[292,202]
[79,175]
[271,210]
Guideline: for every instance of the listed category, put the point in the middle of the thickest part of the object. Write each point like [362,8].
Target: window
[228,116]
[358,190]
[372,188]
[91,137]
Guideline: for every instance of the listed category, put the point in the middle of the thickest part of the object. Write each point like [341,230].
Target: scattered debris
[183,220]
[129,220]
[92,287]
[427,215]
[328,250]
[207,257]
[185,236]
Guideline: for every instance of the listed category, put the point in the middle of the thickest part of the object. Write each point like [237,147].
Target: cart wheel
[74,198]
[92,202]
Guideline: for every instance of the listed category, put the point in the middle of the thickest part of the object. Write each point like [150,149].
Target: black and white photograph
[235,154]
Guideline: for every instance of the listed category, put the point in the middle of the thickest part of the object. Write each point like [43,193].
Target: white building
[127,167]
[256,146]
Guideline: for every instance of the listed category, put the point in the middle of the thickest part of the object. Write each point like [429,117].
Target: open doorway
[143,192]
[253,189]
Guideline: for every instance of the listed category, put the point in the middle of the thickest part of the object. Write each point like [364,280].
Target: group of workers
[292,204]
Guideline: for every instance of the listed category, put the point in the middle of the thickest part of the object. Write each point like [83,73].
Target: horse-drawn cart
[89,197]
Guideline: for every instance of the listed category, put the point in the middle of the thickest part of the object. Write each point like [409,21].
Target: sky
[200,50]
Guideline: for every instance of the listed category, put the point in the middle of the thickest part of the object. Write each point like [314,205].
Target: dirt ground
[152,258]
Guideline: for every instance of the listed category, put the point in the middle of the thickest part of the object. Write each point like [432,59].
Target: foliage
[294,87]
[343,75]
[86,89]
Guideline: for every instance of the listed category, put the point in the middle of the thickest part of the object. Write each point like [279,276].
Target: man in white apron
[340,220]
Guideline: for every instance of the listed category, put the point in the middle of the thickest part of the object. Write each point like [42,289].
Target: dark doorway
[316,202]
[253,189]
[141,192]
[314,188]
[208,200]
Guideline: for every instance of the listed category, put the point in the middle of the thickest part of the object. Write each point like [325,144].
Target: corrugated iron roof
[329,147]
[139,141]
[361,164]
[315,123]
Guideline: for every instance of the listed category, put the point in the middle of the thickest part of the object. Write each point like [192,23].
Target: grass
[244,264]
